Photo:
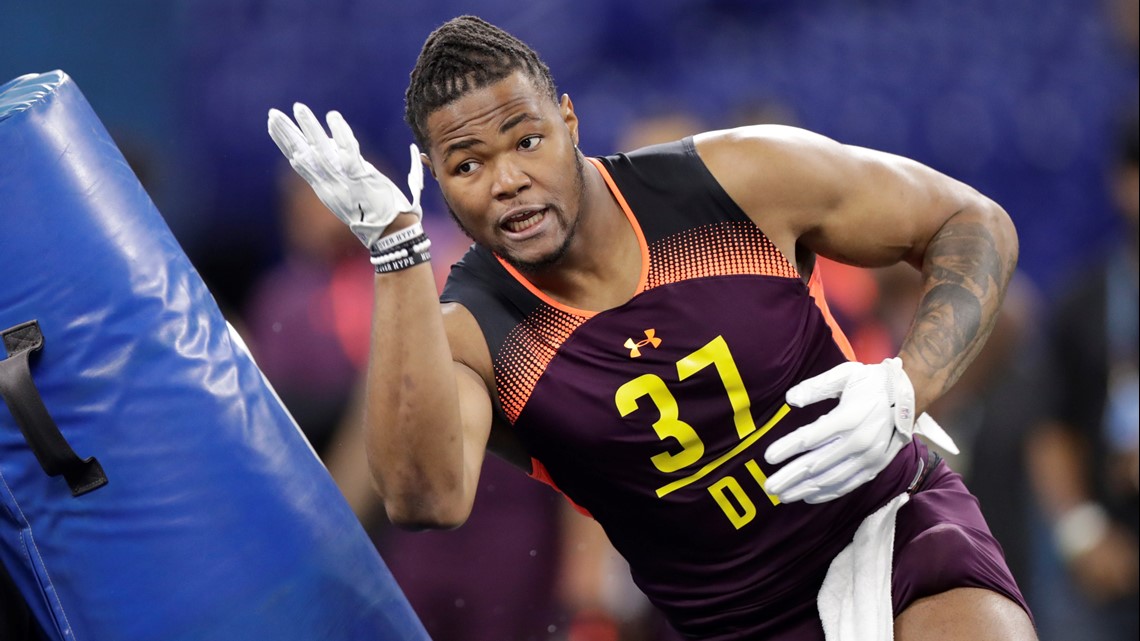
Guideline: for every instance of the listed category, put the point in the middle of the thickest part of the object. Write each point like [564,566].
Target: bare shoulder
[775,150]
[850,203]
[742,142]
[777,174]
[473,364]
[465,338]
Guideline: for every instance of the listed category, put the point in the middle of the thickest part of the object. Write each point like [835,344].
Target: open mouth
[522,221]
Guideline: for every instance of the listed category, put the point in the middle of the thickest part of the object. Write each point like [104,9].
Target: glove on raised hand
[852,443]
[362,197]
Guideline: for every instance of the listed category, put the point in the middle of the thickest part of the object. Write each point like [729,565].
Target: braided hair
[464,54]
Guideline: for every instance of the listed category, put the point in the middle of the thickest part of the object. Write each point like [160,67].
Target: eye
[530,143]
[466,167]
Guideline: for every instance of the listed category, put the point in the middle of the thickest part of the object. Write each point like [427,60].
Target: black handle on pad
[41,433]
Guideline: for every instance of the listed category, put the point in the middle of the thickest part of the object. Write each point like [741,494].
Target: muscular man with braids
[647,333]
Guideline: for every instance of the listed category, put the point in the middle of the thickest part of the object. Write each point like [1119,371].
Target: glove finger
[798,493]
[827,459]
[346,142]
[819,488]
[310,126]
[830,494]
[288,137]
[795,473]
[416,177]
[840,472]
[822,386]
[321,152]
[342,133]
[826,467]
[933,432]
[785,478]
[809,436]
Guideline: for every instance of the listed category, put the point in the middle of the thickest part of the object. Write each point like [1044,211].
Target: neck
[602,266]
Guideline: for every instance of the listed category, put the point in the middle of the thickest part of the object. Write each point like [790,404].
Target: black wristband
[407,247]
[411,260]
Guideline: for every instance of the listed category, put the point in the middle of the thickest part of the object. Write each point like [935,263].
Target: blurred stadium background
[1016,97]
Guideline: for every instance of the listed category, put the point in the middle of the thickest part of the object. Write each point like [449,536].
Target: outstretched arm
[427,416]
[427,413]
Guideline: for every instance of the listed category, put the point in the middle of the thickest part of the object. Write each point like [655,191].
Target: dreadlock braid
[464,54]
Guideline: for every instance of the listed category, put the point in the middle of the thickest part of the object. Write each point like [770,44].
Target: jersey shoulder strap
[496,300]
[670,190]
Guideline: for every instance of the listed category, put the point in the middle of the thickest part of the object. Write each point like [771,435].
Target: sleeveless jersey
[653,416]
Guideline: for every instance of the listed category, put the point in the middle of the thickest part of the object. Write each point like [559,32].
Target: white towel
[855,600]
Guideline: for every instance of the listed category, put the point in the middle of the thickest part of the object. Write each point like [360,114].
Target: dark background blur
[1016,97]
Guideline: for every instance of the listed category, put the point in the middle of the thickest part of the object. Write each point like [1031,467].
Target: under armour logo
[635,347]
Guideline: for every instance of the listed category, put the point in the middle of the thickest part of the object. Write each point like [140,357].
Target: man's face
[506,161]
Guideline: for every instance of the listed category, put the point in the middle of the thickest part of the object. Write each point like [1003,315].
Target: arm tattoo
[948,319]
[964,281]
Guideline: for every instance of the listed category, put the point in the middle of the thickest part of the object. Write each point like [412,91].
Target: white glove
[362,197]
[852,443]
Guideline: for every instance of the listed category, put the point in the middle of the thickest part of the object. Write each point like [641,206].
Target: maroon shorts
[942,542]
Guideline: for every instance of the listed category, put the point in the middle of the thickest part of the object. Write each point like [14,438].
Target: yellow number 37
[670,426]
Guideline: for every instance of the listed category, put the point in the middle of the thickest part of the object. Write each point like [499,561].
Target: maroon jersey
[654,416]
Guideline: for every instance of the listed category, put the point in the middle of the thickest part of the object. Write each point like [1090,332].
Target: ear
[427,163]
[566,106]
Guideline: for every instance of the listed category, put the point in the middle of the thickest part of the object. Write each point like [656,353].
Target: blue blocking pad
[152,486]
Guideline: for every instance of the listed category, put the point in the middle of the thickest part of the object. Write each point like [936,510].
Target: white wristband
[393,239]
[1080,529]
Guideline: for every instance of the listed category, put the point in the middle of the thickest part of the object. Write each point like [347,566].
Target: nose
[510,179]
